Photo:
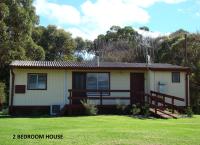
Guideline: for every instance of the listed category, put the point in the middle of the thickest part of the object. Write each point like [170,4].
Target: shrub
[4,111]
[90,108]
[2,94]
[189,112]
[135,110]
[145,110]
[121,108]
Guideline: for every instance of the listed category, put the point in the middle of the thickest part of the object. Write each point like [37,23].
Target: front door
[78,83]
[137,88]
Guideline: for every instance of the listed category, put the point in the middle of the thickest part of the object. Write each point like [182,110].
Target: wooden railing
[160,99]
[100,95]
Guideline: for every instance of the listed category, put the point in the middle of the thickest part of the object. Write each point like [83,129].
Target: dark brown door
[137,88]
[78,83]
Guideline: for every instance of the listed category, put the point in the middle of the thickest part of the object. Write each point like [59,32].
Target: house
[49,86]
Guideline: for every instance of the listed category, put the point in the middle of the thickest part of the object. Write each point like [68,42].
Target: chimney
[148,59]
[97,60]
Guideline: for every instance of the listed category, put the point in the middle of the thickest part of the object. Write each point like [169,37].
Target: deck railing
[100,95]
[157,99]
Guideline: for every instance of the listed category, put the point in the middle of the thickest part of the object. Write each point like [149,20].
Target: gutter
[12,90]
[186,89]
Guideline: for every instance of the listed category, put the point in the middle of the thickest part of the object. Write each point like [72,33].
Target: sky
[89,18]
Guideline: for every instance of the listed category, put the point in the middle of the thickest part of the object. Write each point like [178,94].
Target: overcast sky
[89,18]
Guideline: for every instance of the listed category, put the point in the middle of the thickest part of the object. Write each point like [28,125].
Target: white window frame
[37,78]
[97,84]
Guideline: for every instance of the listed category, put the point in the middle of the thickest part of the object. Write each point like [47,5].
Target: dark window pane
[97,81]
[91,83]
[32,81]
[37,81]
[175,77]
[41,82]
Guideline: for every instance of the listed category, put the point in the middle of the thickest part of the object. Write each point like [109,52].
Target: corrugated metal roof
[110,65]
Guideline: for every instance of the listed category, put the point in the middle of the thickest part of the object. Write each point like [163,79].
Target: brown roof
[93,65]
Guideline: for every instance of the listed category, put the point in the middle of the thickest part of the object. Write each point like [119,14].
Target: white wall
[59,81]
[175,89]
[53,95]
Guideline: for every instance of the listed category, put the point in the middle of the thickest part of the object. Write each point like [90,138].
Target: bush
[145,110]
[121,108]
[189,112]
[90,108]
[2,94]
[135,110]
[4,111]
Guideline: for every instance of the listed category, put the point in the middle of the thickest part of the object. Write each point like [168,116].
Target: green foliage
[57,43]
[34,52]
[121,108]
[90,108]
[17,19]
[145,110]
[135,110]
[145,28]
[124,41]
[189,112]
[2,92]
[4,111]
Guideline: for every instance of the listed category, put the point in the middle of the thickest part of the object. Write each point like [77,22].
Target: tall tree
[57,43]
[17,19]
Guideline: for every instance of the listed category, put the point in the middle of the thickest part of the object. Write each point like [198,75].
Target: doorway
[78,83]
[137,88]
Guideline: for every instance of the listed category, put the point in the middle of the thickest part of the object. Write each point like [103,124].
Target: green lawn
[102,130]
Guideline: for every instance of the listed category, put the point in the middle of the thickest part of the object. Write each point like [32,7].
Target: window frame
[28,86]
[179,79]
[97,94]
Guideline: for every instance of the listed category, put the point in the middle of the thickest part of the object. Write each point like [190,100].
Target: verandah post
[70,97]
[172,105]
[101,101]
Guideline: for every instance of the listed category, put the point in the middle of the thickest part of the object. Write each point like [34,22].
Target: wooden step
[164,113]
[174,115]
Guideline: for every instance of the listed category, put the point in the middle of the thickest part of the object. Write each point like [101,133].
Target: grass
[102,130]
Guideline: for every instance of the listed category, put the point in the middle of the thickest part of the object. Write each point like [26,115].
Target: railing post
[164,102]
[156,104]
[70,97]
[148,99]
[101,101]
[172,105]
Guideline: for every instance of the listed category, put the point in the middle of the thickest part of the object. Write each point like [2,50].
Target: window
[37,82]
[175,77]
[97,81]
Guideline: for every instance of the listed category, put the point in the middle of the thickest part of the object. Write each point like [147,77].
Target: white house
[48,86]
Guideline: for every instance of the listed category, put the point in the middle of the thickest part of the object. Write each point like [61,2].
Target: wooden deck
[157,102]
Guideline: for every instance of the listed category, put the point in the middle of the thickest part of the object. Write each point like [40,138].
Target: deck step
[164,113]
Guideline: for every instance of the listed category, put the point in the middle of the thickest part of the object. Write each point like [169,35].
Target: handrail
[166,95]
[92,90]
[162,100]
[99,97]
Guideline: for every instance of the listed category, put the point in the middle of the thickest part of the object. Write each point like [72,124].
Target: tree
[82,47]
[57,43]
[120,44]
[17,19]
[34,52]
[145,28]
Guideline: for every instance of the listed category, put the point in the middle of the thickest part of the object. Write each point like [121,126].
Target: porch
[159,103]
